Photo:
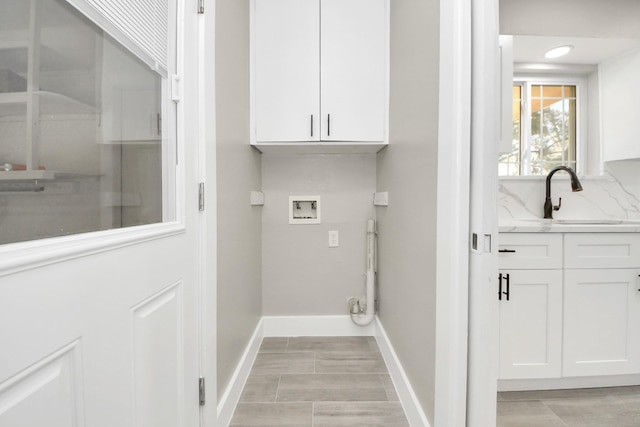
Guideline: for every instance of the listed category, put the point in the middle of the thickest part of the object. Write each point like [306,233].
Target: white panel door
[106,339]
[353,72]
[601,321]
[531,324]
[101,329]
[287,70]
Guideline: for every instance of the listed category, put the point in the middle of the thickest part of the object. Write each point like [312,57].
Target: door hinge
[200,6]
[201,196]
[201,391]
[176,92]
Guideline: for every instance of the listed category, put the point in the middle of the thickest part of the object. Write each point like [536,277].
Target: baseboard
[314,326]
[568,383]
[229,399]
[408,399]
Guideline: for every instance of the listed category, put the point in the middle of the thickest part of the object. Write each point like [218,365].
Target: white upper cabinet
[353,59]
[320,71]
[287,70]
[619,108]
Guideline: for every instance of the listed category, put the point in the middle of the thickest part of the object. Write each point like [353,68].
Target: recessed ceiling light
[557,52]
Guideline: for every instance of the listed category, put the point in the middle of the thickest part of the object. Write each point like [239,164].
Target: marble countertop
[539,225]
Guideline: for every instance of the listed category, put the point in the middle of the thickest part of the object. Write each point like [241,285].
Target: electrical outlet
[334,239]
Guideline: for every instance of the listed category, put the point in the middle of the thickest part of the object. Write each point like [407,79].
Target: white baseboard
[314,326]
[568,383]
[295,326]
[229,400]
[408,399]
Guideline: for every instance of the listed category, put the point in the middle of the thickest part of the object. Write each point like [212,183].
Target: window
[545,128]
[84,123]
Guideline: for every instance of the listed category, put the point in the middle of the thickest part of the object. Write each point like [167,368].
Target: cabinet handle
[312,125]
[506,279]
[328,124]
[507,251]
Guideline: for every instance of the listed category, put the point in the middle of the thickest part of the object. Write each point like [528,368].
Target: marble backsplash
[614,195]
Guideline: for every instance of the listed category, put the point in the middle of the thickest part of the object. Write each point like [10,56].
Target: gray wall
[239,172]
[301,274]
[407,170]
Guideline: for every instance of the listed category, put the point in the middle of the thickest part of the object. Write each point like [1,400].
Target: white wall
[238,173]
[407,170]
[301,274]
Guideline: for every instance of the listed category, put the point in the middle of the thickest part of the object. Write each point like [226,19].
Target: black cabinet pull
[328,124]
[312,126]
[500,292]
[507,280]
[507,251]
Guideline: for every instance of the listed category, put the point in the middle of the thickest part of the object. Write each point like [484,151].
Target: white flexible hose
[363,319]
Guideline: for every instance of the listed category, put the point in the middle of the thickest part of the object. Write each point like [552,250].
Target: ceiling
[531,49]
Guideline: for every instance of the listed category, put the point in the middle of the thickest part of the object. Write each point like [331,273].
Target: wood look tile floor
[591,407]
[319,382]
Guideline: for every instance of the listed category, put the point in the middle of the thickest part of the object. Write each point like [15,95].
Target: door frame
[483,266]
[208,249]
[466,376]
[453,213]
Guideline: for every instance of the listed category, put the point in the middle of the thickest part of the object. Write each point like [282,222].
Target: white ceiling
[531,49]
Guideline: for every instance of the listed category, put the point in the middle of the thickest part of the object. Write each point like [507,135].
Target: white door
[531,324]
[601,316]
[101,329]
[286,48]
[103,340]
[353,46]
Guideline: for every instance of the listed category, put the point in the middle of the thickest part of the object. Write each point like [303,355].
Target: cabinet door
[353,72]
[531,325]
[601,322]
[618,79]
[287,70]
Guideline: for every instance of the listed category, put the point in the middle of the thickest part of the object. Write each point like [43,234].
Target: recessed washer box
[304,209]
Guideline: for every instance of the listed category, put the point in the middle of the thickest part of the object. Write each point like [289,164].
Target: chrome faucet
[575,186]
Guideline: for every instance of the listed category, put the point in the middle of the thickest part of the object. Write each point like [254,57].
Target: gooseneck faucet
[575,186]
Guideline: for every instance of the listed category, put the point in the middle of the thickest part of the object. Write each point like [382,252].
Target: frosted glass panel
[81,126]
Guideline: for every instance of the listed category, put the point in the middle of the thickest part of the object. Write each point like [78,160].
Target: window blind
[140,25]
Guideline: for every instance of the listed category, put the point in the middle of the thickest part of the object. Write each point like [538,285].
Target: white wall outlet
[334,239]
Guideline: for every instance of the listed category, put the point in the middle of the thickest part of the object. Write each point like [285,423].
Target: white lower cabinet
[531,324]
[569,305]
[601,322]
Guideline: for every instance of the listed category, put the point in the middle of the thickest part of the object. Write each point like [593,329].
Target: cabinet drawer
[602,250]
[530,251]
